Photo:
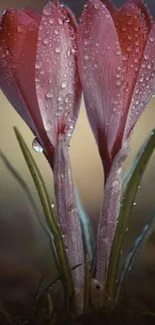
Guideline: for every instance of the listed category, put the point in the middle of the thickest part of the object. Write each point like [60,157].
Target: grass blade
[50,218]
[137,247]
[126,208]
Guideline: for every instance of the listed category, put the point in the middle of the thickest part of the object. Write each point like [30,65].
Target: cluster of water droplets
[56,73]
[145,85]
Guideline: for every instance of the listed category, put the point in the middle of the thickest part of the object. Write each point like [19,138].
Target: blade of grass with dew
[51,220]
[87,229]
[130,170]
[130,260]
[125,211]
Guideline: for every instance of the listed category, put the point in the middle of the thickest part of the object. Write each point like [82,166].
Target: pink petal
[35,15]
[67,209]
[145,85]
[57,82]
[133,33]
[18,44]
[109,214]
[109,6]
[100,66]
[140,4]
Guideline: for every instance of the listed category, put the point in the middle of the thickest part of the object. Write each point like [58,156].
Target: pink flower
[39,76]
[18,50]
[116,54]
[116,63]
[59,93]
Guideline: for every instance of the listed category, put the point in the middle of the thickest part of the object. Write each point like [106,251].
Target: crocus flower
[116,50]
[18,45]
[39,76]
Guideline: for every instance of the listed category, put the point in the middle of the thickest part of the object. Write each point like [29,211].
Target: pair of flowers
[44,60]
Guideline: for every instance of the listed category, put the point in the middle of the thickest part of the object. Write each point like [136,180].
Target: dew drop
[38,65]
[49,94]
[64,84]
[46,41]
[149,66]
[56,32]
[146,56]
[52,205]
[134,203]
[60,98]
[60,22]
[96,6]
[19,28]
[47,11]
[118,83]
[60,108]
[152,38]
[68,98]
[129,37]
[58,50]
[36,145]
[51,21]
[57,113]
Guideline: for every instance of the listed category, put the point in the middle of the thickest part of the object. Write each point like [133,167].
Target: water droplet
[152,38]
[149,66]
[60,108]
[47,11]
[51,21]
[60,98]
[118,52]
[49,94]
[68,98]
[134,203]
[64,84]
[129,37]
[19,28]
[38,65]
[96,6]
[146,56]
[137,50]
[60,22]
[118,83]
[58,50]
[57,113]
[36,145]
[73,51]
[56,32]
[52,205]
[46,41]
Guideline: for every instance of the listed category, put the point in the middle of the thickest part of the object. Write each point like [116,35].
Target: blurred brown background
[24,248]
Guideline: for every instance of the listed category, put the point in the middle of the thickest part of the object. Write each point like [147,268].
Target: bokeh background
[24,248]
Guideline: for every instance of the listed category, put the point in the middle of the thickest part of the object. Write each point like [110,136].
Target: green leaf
[130,260]
[66,274]
[134,180]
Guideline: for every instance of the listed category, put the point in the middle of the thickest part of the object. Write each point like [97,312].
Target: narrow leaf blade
[127,204]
